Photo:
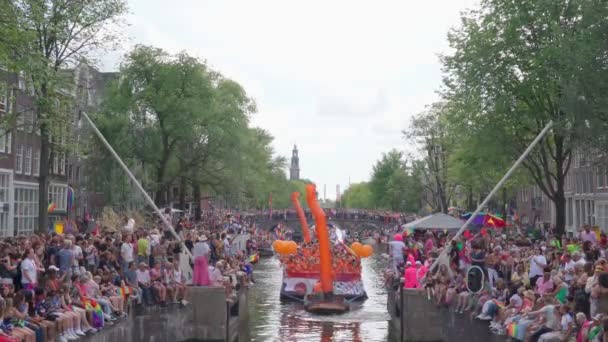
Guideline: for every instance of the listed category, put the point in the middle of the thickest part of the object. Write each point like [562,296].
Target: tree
[166,98]
[392,185]
[430,131]
[516,65]
[358,196]
[43,38]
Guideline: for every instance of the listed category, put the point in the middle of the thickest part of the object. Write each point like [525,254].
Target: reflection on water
[270,320]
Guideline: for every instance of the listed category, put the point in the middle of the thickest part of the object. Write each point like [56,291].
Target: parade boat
[346,282]
[325,275]
[297,284]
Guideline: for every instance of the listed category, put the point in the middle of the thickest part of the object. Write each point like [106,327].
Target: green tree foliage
[392,186]
[358,196]
[44,38]
[178,123]
[517,65]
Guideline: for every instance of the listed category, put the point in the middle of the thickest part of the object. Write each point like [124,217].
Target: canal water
[271,320]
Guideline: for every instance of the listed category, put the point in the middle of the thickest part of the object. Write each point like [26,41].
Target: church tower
[294,170]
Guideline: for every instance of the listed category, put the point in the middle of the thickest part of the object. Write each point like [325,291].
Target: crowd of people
[535,289]
[381,216]
[306,260]
[59,287]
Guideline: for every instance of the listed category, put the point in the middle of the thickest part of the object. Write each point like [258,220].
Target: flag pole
[491,194]
[136,182]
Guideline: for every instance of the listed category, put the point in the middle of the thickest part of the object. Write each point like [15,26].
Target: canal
[271,320]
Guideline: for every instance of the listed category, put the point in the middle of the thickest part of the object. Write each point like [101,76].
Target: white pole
[491,194]
[141,189]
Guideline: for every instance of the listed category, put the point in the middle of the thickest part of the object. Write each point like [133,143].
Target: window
[55,163]
[36,163]
[70,174]
[524,196]
[3,134]
[58,194]
[3,97]
[62,163]
[569,211]
[26,209]
[19,159]
[602,216]
[5,183]
[21,83]
[28,123]
[27,160]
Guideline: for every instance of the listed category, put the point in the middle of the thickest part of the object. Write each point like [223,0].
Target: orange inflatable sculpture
[323,237]
[301,216]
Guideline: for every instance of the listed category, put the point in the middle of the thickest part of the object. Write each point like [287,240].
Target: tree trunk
[470,200]
[160,179]
[182,193]
[560,214]
[197,203]
[504,203]
[43,178]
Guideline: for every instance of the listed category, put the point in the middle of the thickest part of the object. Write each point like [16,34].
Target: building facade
[586,192]
[20,161]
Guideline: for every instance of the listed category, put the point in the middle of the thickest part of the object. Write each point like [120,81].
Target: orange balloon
[281,246]
[356,247]
[276,245]
[367,251]
[291,247]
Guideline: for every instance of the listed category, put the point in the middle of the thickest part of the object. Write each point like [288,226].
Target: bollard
[401,312]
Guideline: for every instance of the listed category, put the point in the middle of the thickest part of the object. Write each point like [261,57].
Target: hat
[143,264]
[418,263]
[202,238]
[409,263]
[53,268]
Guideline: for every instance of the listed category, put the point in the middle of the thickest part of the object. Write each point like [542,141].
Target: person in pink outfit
[200,253]
[410,276]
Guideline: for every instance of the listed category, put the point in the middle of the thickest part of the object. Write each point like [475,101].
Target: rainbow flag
[499,304]
[512,330]
[254,258]
[51,207]
[124,291]
[97,313]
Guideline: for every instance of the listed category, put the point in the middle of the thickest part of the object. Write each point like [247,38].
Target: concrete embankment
[423,321]
[207,318]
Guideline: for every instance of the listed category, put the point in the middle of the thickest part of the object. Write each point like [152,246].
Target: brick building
[20,161]
[586,192]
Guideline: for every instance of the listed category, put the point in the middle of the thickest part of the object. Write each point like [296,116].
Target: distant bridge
[350,224]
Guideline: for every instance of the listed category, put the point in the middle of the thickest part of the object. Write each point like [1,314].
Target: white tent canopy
[436,221]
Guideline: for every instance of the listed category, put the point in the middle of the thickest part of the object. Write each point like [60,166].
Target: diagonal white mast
[141,189]
[521,158]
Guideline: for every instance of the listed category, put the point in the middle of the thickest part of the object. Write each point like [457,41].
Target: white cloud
[340,78]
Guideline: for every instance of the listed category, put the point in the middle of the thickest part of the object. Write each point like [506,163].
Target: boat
[297,284]
[322,305]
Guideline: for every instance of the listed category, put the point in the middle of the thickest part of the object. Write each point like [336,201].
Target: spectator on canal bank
[530,275]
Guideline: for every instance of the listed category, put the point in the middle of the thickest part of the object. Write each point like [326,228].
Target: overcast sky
[341,79]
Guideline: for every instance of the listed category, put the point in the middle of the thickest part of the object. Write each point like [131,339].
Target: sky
[341,79]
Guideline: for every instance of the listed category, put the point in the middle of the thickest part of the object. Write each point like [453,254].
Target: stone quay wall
[423,321]
[204,319]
